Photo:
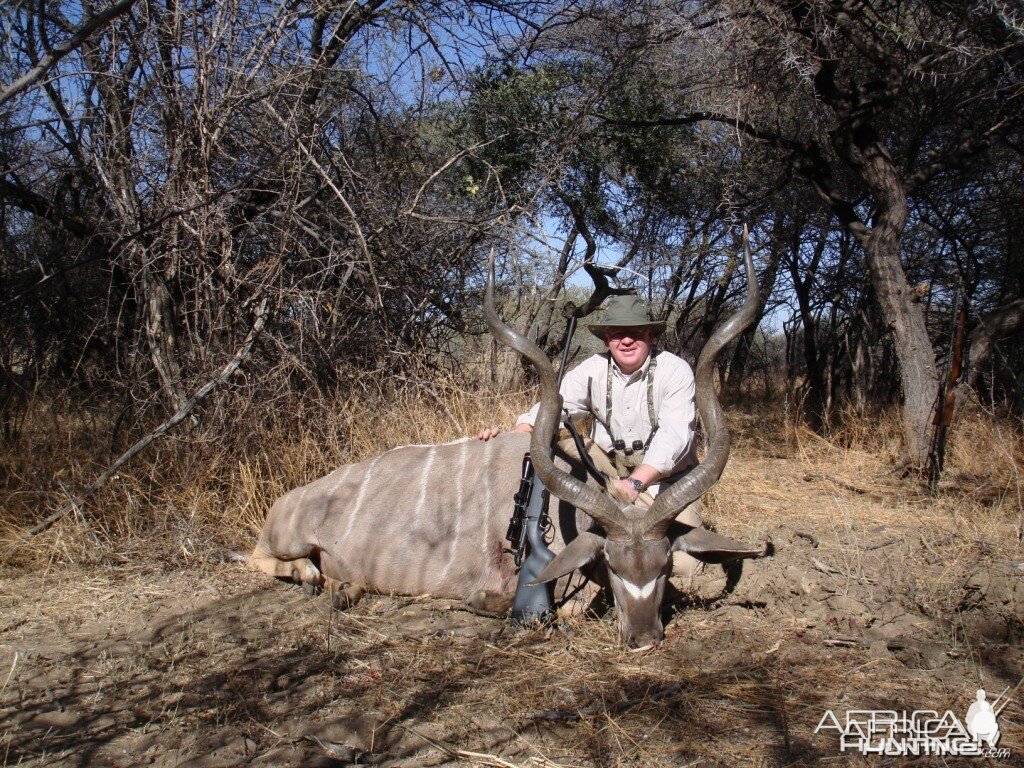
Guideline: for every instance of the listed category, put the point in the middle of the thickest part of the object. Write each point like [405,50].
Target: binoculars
[620,445]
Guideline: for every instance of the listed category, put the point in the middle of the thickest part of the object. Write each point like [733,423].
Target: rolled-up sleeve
[672,446]
[575,390]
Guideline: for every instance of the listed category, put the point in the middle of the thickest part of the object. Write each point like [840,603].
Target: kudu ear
[580,551]
[711,547]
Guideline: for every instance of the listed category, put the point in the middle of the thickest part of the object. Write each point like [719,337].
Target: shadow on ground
[269,676]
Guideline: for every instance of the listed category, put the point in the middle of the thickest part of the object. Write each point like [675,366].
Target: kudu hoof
[489,604]
[311,589]
[344,598]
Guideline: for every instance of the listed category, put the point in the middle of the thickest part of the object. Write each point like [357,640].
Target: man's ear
[712,547]
[580,551]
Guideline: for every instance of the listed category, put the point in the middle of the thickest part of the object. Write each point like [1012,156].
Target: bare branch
[55,54]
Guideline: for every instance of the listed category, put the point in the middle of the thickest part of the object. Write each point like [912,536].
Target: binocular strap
[628,458]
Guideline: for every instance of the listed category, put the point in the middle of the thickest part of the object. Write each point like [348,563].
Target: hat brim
[599,329]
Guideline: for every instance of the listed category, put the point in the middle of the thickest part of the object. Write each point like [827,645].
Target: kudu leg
[490,604]
[301,570]
[686,567]
[343,595]
[285,547]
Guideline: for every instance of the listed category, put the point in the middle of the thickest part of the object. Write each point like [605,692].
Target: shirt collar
[639,373]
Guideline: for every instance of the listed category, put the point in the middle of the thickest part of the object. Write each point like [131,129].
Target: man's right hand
[487,434]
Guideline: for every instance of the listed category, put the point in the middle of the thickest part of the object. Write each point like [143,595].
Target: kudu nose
[641,641]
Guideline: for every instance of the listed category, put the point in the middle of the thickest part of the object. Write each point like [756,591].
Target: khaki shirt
[673,449]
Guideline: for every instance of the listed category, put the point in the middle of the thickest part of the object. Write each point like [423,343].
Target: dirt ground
[876,597]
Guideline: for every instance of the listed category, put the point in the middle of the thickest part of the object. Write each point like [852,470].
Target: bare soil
[876,597]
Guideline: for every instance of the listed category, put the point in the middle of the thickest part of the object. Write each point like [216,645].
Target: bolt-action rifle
[530,524]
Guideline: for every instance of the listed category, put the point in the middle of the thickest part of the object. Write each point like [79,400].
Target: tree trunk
[919,378]
[161,337]
[861,147]
[814,400]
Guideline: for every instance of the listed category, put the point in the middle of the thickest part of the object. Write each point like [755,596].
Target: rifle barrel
[570,330]
[1007,688]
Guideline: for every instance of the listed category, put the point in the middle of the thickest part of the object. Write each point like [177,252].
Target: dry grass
[195,493]
[845,487]
[744,680]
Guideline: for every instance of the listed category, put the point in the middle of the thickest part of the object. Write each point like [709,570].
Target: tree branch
[57,53]
[809,160]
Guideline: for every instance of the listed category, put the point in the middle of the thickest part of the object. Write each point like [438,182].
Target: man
[642,400]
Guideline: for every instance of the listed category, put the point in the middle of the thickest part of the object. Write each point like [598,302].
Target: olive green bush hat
[627,311]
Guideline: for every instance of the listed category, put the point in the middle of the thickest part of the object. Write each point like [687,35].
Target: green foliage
[572,126]
[519,115]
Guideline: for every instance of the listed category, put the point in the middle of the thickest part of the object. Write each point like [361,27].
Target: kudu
[430,519]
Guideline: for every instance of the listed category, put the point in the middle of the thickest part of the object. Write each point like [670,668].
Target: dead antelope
[430,519]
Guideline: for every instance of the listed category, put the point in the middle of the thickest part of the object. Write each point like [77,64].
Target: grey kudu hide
[431,519]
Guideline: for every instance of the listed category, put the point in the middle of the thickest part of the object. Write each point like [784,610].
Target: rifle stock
[533,601]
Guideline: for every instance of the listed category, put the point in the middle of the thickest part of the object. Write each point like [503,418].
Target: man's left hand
[628,491]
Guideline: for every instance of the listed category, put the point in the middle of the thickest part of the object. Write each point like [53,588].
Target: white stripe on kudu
[354,512]
[453,550]
[485,572]
[424,481]
[434,445]
[342,476]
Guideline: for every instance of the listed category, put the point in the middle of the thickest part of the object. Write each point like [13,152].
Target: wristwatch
[636,484]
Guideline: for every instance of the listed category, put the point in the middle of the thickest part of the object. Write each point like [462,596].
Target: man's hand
[645,474]
[628,491]
[487,434]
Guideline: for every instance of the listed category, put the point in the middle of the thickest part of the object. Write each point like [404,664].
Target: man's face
[629,347]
